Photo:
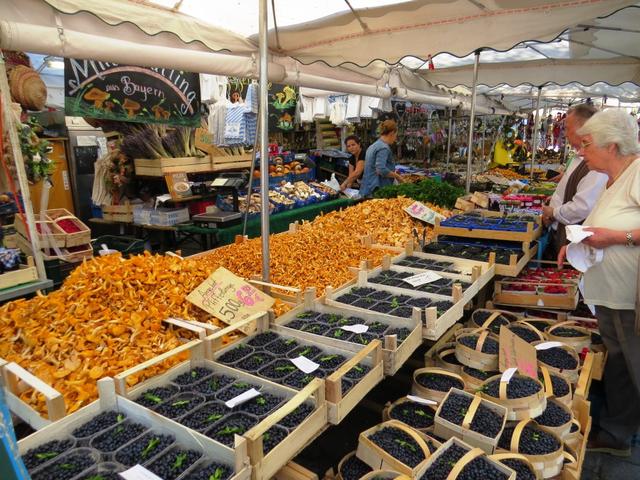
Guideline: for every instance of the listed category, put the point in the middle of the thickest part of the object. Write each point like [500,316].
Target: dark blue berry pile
[117,436]
[533,441]
[437,381]
[518,387]
[485,421]
[481,316]
[413,414]
[98,423]
[214,471]
[557,357]
[174,463]
[48,451]
[554,415]
[478,469]
[66,467]
[524,333]
[479,374]
[192,376]
[559,384]
[523,470]
[353,468]
[490,345]
[399,444]
[144,449]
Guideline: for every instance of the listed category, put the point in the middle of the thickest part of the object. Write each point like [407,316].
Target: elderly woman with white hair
[610,145]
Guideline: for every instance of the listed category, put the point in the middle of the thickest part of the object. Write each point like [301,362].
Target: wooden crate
[339,405]
[446,429]
[471,454]
[433,326]
[379,459]
[263,466]
[158,167]
[534,230]
[394,354]
[231,162]
[295,471]
[581,410]
[212,451]
[24,274]
[57,238]
[81,237]
[118,213]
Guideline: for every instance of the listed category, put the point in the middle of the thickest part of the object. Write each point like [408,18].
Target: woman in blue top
[379,167]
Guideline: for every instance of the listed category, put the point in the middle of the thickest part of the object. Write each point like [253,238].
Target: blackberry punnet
[234,390]
[117,436]
[255,361]
[308,351]
[316,328]
[401,333]
[403,311]
[143,449]
[362,291]
[339,334]
[155,396]
[518,387]
[485,421]
[98,423]
[400,445]
[296,417]
[307,315]
[205,416]
[212,385]
[559,384]
[523,470]
[358,371]
[347,298]
[442,306]
[558,358]
[235,424]
[42,454]
[299,379]
[213,471]
[262,339]
[524,333]
[382,307]
[363,338]
[533,441]
[192,376]
[479,374]
[437,381]
[330,361]
[179,405]
[260,406]
[553,416]
[174,463]
[419,302]
[353,468]
[273,437]
[66,467]
[235,354]
[413,414]
[278,370]
[489,346]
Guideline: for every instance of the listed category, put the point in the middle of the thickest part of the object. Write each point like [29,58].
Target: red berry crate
[541,284]
[77,233]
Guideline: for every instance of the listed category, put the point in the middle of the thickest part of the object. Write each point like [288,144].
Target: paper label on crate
[304,364]
[357,328]
[422,278]
[548,345]
[540,303]
[229,298]
[421,400]
[138,472]
[422,212]
[243,397]
[508,373]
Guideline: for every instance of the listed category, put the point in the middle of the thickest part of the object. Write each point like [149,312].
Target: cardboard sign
[228,297]
[515,352]
[422,212]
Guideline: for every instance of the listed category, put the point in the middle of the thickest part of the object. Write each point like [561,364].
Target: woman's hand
[603,237]
[562,254]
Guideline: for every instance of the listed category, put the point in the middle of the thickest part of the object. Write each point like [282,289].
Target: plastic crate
[125,245]
[165,217]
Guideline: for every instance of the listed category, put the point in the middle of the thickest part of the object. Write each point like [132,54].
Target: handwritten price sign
[228,297]
[422,212]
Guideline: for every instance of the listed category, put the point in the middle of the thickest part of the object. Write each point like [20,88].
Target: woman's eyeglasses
[584,144]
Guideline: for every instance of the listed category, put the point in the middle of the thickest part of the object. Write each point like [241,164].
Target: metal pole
[449,134]
[484,128]
[264,138]
[535,132]
[472,119]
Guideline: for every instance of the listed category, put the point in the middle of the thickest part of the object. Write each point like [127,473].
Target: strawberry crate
[273,435]
[50,235]
[437,313]
[77,233]
[541,284]
[113,433]
[320,323]
[269,354]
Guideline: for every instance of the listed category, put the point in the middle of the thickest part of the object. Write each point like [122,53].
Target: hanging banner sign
[228,297]
[109,91]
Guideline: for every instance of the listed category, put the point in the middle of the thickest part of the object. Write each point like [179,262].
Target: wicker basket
[578,342]
[518,408]
[27,88]
[474,357]
[435,395]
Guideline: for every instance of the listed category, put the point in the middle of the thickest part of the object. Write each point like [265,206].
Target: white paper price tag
[422,278]
[422,212]
[508,373]
[358,328]
[421,400]
[548,345]
[243,397]
[138,472]
[304,364]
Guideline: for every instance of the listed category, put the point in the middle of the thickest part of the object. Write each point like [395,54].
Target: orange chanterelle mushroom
[97,95]
[131,106]
[160,112]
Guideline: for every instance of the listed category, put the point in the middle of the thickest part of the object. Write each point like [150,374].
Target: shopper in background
[379,167]
[356,161]
[610,145]
[578,189]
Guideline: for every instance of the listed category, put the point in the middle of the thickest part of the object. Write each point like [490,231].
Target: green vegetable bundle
[439,193]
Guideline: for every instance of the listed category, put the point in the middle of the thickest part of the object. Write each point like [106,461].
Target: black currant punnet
[66,467]
[117,436]
[98,423]
[353,468]
[399,445]
[262,339]
[143,449]
[213,471]
[192,376]
[174,463]
[42,454]
[296,417]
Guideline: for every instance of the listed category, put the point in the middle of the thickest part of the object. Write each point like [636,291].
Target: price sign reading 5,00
[228,297]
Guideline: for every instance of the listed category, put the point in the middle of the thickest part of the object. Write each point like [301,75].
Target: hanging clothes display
[353,108]
[304,109]
[241,121]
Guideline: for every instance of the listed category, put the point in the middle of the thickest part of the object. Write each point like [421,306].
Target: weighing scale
[218,219]
[226,181]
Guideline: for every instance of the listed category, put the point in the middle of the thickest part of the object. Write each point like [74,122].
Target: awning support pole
[535,132]
[449,135]
[472,119]
[264,139]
